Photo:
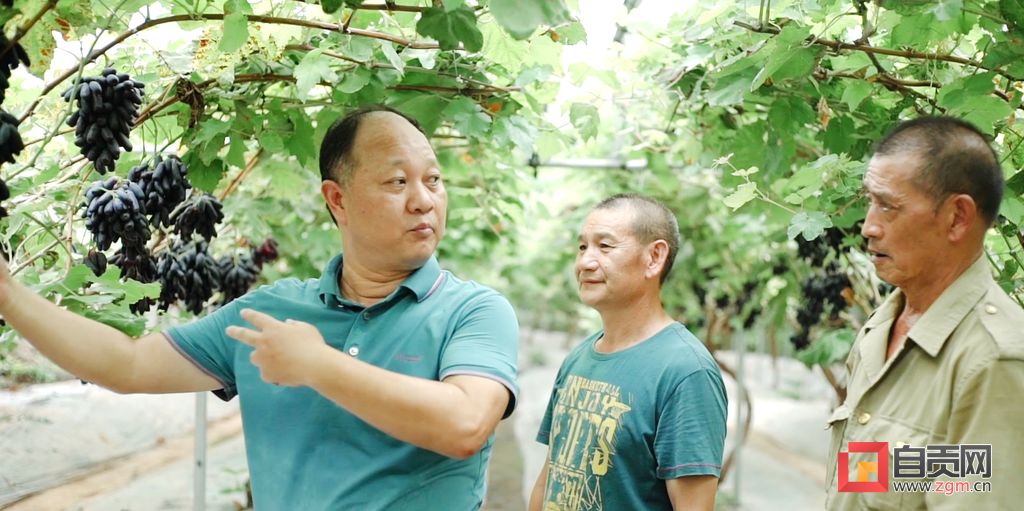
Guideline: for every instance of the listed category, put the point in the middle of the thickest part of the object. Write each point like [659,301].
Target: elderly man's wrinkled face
[610,264]
[396,204]
[905,239]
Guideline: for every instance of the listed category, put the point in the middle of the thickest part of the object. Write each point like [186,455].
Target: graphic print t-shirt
[619,424]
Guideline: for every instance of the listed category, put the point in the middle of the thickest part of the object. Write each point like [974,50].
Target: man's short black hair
[652,221]
[955,158]
[337,162]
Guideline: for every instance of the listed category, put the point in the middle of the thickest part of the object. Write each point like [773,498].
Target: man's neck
[366,286]
[628,326]
[917,298]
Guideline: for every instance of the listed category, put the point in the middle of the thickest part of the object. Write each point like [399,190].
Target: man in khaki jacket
[941,363]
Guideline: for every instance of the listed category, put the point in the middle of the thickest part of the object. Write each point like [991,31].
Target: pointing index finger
[258,319]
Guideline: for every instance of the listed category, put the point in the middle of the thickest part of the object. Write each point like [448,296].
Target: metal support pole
[199,479]
[740,345]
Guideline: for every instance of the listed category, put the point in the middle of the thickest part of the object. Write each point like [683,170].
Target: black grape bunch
[139,265]
[188,273]
[265,253]
[108,106]
[164,187]
[9,61]
[238,274]
[10,139]
[822,293]
[200,214]
[115,211]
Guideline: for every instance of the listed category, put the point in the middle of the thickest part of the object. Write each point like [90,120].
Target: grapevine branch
[485,86]
[909,54]
[25,28]
[148,24]
[241,175]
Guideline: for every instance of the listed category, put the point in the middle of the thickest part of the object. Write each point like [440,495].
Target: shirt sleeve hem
[226,393]
[512,389]
[690,469]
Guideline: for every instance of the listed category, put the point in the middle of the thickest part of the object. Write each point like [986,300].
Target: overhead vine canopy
[236,95]
[755,120]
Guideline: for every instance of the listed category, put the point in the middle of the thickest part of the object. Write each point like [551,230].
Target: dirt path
[116,475]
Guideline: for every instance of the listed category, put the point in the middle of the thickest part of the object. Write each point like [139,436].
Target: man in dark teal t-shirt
[375,387]
[637,418]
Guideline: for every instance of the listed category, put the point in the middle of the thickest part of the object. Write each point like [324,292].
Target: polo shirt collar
[422,282]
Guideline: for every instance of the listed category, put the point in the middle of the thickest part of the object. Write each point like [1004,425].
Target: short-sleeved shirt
[957,379]
[304,451]
[619,424]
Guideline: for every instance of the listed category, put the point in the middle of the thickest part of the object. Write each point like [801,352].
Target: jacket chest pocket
[879,428]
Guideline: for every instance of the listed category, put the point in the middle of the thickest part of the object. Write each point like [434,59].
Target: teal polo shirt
[307,453]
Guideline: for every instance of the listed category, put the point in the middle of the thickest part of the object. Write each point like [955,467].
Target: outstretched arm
[96,352]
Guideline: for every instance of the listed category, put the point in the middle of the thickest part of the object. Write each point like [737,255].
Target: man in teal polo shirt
[377,386]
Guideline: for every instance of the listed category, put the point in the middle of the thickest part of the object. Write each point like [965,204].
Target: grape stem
[241,175]
[34,258]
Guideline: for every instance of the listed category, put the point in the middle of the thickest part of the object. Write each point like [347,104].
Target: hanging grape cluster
[139,265]
[164,187]
[200,214]
[188,273]
[238,274]
[822,292]
[9,61]
[108,106]
[97,262]
[265,253]
[115,211]
[10,139]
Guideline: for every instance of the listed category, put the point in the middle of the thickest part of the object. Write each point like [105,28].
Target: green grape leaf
[743,194]
[393,57]
[202,175]
[313,68]
[1013,12]
[572,33]
[855,93]
[831,348]
[810,225]
[522,17]
[449,28]
[236,32]
[946,10]
[586,119]
[469,117]
[1013,209]
[331,6]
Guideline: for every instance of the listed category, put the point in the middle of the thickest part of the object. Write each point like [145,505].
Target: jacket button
[991,309]
[864,418]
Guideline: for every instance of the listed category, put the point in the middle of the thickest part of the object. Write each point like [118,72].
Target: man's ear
[334,193]
[657,253]
[962,213]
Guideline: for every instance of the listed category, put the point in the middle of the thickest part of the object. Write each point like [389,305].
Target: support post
[199,475]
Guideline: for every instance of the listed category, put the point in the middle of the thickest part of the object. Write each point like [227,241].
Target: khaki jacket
[958,379]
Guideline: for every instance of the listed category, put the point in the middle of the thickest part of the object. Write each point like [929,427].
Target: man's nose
[420,200]
[871,227]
